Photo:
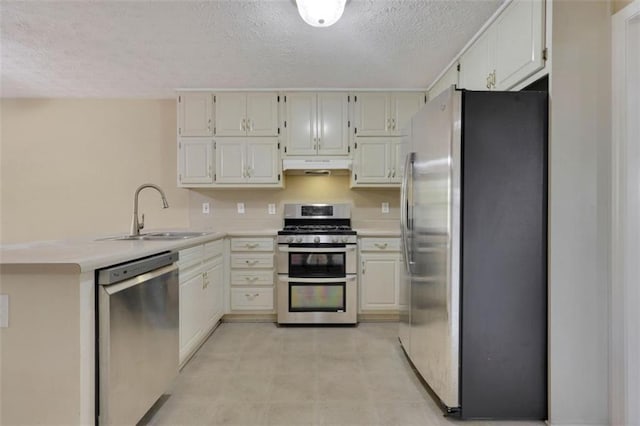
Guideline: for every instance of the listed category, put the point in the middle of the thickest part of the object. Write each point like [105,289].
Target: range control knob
[316,240]
[298,239]
[289,239]
[335,240]
[345,239]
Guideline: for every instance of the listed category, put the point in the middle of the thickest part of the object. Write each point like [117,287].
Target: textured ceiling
[147,49]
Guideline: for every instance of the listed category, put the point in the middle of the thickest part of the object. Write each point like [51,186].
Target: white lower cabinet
[379,274]
[201,271]
[252,274]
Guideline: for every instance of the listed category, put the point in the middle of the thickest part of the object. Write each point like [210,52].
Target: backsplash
[365,212]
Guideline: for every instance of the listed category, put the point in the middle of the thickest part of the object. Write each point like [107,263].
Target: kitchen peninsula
[47,352]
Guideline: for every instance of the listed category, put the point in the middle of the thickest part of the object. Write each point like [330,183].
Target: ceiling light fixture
[321,13]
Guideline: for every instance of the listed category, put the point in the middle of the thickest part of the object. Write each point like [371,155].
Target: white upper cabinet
[247,161]
[403,106]
[195,114]
[300,122]
[246,114]
[195,161]
[373,114]
[332,124]
[509,51]
[476,65]
[385,114]
[378,161]
[519,41]
[316,124]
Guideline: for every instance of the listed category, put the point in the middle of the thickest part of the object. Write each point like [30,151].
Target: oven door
[317,300]
[317,262]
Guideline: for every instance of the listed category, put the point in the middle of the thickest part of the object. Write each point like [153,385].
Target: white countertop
[378,232]
[88,254]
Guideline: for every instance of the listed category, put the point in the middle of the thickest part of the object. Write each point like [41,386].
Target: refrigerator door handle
[404,208]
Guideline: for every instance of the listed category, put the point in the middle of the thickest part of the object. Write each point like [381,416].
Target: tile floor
[260,374]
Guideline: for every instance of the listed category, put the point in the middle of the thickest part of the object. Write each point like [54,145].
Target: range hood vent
[316,166]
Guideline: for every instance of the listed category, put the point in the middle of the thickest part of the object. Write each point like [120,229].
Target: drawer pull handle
[251,245]
[251,278]
[381,245]
[251,296]
[251,262]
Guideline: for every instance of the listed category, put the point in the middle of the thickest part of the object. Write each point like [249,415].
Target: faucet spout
[137,225]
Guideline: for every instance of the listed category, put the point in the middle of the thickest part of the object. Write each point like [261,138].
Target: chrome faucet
[136,225]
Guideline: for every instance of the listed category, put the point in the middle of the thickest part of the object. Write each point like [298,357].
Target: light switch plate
[206,208]
[4,310]
[240,208]
[385,208]
[272,208]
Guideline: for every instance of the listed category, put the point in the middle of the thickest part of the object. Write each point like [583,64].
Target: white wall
[69,168]
[579,212]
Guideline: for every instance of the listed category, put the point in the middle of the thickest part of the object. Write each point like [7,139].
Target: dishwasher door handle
[139,279]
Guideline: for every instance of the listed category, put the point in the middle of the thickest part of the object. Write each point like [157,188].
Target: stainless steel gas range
[317,265]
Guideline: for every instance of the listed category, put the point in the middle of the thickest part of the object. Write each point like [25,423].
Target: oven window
[317,265]
[325,297]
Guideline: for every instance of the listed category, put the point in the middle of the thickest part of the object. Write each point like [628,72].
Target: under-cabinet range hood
[316,166]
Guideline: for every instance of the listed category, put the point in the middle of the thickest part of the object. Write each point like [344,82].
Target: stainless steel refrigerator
[474,233]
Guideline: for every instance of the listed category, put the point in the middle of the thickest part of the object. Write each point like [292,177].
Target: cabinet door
[262,114]
[262,160]
[230,160]
[195,160]
[476,64]
[191,311]
[372,161]
[195,114]
[519,40]
[404,106]
[373,114]
[448,79]
[301,123]
[333,133]
[379,281]
[231,116]
[212,292]
[398,150]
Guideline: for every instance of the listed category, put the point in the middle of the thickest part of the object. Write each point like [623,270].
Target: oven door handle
[287,279]
[286,249]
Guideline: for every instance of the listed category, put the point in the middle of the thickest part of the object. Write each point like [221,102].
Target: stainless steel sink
[157,236]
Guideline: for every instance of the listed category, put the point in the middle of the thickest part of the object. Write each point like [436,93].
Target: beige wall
[366,211]
[579,213]
[69,168]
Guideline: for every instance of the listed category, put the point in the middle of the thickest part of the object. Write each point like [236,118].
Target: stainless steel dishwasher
[137,336]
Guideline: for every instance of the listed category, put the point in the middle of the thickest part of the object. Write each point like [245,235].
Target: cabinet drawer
[250,299]
[380,244]
[251,260]
[254,277]
[252,244]
[213,249]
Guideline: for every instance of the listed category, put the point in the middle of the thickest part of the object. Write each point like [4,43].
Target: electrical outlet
[206,208]
[272,208]
[240,208]
[4,310]
[385,208]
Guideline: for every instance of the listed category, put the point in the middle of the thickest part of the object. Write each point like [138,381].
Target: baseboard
[249,317]
[382,316]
